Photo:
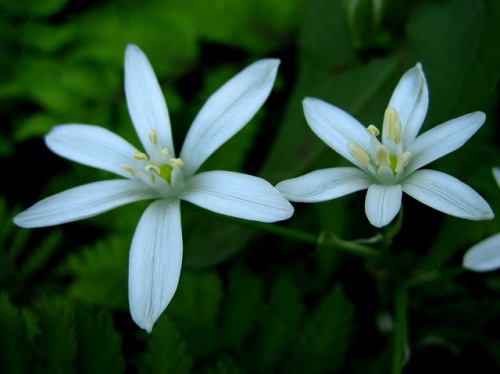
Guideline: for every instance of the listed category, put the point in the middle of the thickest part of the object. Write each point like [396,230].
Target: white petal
[382,203]
[155,262]
[84,201]
[446,194]
[443,139]
[336,128]
[91,145]
[237,195]
[411,99]
[325,184]
[145,100]
[484,256]
[227,111]
[496,175]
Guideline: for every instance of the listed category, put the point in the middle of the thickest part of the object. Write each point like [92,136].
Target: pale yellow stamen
[140,156]
[164,152]
[153,136]
[358,153]
[129,169]
[176,162]
[392,125]
[150,167]
[373,130]
[382,155]
[402,161]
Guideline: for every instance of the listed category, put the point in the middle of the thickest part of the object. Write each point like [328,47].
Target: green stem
[329,240]
[399,337]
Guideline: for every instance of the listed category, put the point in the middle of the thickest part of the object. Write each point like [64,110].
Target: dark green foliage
[249,300]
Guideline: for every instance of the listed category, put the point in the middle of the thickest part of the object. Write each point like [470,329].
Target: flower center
[158,165]
[386,159]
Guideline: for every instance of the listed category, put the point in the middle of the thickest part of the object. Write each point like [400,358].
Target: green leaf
[278,325]
[225,365]
[14,345]
[166,350]
[326,335]
[100,273]
[242,305]
[99,345]
[55,344]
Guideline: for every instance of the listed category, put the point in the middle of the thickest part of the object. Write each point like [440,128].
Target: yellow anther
[153,136]
[176,162]
[128,168]
[150,167]
[402,161]
[164,152]
[382,155]
[359,154]
[392,125]
[373,130]
[140,156]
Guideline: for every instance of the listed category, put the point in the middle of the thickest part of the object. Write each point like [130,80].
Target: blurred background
[250,300]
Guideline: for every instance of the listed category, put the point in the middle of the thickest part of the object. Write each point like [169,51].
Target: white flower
[485,255]
[389,166]
[156,251]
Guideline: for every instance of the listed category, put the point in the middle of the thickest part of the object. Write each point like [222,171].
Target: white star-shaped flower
[485,255]
[156,251]
[390,166]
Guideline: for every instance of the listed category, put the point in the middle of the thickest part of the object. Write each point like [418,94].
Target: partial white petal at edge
[382,203]
[446,194]
[155,262]
[82,202]
[324,185]
[484,256]
[237,195]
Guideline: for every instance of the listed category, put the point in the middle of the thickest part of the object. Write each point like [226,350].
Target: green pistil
[393,163]
[166,172]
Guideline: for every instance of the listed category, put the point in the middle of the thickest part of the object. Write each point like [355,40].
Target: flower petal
[145,100]
[155,262]
[237,195]
[411,99]
[446,194]
[83,202]
[484,256]
[336,128]
[443,139]
[496,175]
[325,184]
[382,203]
[91,145]
[227,111]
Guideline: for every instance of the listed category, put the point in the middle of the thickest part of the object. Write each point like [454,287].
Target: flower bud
[362,19]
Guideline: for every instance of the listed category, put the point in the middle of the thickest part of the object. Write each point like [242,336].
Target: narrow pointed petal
[227,111]
[447,194]
[411,99]
[92,146]
[382,203]
[145,100]
[336,128]
[237,195]
[443,139]
[325,184]
[484,256]
[155,262]
[83,202]
[496,175]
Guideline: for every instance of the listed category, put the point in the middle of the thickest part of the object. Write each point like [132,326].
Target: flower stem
[399,337]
